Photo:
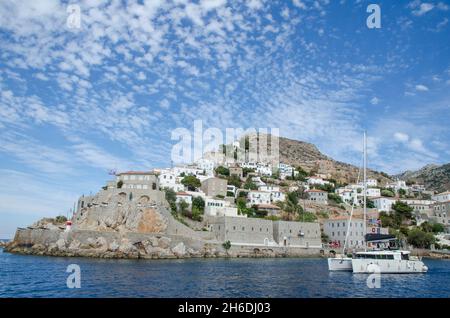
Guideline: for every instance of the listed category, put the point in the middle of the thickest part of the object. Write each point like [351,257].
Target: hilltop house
[137,180]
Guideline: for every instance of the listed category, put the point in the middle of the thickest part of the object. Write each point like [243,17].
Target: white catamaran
[379,261]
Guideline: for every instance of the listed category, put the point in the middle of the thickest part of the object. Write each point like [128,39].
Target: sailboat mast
[365,189]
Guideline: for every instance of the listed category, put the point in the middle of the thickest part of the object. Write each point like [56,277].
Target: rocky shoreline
[130,245]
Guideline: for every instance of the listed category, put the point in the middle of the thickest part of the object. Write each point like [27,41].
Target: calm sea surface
[40,276]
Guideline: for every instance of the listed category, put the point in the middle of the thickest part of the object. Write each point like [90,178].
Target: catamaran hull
[388,266]
[340,264]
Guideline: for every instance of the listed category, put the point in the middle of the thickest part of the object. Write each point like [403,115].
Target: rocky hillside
[434,177]
[309,157]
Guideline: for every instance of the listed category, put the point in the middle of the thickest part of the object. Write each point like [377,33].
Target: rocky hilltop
[311,159]
[434,177]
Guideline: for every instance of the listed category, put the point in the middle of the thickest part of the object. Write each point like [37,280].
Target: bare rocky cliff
[434,177]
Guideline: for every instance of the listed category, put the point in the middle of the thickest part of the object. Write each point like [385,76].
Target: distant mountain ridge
[434,177]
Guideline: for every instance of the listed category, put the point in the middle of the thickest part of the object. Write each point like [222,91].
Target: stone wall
[297,233]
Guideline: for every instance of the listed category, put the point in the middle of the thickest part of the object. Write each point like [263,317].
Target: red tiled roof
[315,190]
[183,193]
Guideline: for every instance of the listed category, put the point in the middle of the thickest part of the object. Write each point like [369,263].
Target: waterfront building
[260,232]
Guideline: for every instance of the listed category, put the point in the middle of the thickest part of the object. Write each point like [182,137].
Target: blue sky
[77,102]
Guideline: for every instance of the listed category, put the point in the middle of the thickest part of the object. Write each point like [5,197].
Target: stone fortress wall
[137,223]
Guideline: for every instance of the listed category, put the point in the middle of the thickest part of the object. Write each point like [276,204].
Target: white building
[232,189]
[269,188]
[348,196]
[206,165]
[187,171]
[285,170]
[397,185]
[184,196]
[336,230]
[168,179]
[317,180]
[214,207]
[249,165]
[258,197]
[383,203]
[258,181]
[373,192]
[442,197]
[264,170]
[370,183]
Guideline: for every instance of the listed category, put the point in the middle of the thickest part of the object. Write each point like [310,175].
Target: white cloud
[422,88]
[374,101]
[420,9]
[402,137]
[299,4]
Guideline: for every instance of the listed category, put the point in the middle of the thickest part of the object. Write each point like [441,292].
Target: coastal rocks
[61,244]
[114,246]
[179,250]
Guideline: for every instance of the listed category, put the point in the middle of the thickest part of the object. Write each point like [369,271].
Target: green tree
[249,184]
[403,209]
[60,219]
[402,193]
[183,205]
[438,228]
[234,180]
[306,217]
[119,184]
[369,203]
[191,182]
[420,239]
[335,197]
[197,214]
[224,171]
[387,193]
[246,171]
[199,204]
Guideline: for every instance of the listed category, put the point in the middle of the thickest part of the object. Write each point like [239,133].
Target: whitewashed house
[383,203]
[397,185]
[168,179]
[317,180]
[187,171]
[215,207]
[206,165]
[258,197]
[184,196]
[264,170]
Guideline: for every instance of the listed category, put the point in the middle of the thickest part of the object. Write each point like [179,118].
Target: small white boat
[384,262]
[341,263]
